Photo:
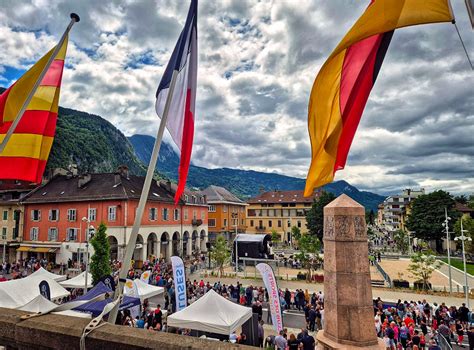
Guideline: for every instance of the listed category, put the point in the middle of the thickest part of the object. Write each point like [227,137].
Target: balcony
[196,222]
[260,228]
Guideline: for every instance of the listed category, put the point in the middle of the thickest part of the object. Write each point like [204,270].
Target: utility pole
[448,244]
[466,284]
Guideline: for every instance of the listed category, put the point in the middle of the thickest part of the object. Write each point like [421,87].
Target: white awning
[78,282]
[53,276]
[211,313]
[146,290]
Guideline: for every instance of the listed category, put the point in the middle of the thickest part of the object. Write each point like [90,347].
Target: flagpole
[143,198]
[74,18]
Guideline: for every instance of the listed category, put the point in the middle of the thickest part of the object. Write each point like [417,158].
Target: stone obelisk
[348,314]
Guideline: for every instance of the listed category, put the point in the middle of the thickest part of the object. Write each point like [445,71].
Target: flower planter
[401,284]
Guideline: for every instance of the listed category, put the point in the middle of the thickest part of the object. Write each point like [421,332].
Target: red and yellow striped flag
[27,151]
[344,82]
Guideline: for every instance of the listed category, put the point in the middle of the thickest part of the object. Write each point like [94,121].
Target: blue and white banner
[273,294]
[179,278]
[145,277]
[44,289]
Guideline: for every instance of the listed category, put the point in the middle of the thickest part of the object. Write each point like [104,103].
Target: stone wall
[64,332]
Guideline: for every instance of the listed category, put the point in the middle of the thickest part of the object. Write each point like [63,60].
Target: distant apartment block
[393,211]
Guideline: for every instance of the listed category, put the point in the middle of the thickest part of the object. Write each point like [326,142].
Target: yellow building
[279,211]
[226,213]
[11,217]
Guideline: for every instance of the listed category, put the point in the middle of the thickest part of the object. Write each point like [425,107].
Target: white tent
[45,273]
[146,290]
[17,293]
[211,313]
[39,304]
[78,282]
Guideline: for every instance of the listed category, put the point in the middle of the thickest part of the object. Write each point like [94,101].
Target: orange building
[58,214]
[227,214]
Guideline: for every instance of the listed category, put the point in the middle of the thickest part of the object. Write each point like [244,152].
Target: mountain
[243,183]
[92,143]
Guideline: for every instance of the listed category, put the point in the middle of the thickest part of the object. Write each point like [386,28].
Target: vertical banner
[145,277]
[131,290]
[274,297]
[179,279]
[45,291]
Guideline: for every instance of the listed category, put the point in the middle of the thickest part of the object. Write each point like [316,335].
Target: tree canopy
[427,216]
[220,253]
[100,261]
[315,216]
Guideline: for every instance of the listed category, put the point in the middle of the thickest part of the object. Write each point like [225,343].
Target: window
[71,234]
[243,222]
[299,224]
[279,223]
[52,234]
[251,223]
[235,222]
[225,222]
[153,214]
[203,215]
[212,222]
[176,214]
[4,233]
[186,214]
[186,198]
[92,214]
[112,213]
[225,209]
[53,215]
[251,212]
[212,208]
[242,209]
[34,233]
[194,214]
[71,214]
[165,214]
[36,215]
[269,223]
[5,215]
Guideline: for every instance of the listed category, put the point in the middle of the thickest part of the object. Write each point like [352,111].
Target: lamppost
[463,238]
[448,244]
[89,233]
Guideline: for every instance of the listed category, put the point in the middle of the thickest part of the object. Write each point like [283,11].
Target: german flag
[343,84]
[27,151]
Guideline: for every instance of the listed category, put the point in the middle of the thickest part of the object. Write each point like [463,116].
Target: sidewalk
[385,294]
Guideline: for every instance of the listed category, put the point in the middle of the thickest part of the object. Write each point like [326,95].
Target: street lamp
[463,238]
[89,233]
[448,245]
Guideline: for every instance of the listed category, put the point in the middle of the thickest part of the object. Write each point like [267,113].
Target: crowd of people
[407,325]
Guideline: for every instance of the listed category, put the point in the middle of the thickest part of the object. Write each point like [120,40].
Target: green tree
[295,233]
[468,227]
[370,217]
[427,216]
[100,261]
[401,241]
[275,237]
[422,266]
[220,253]
[461,199]
[309,246]
[315,216]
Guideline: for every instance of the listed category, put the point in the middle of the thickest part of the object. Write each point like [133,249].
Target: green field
[459,264]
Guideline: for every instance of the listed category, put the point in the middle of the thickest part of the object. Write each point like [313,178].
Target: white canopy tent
[211,313]
[45,273]
[39,304]
[78,282]
[146,290]
[18,293]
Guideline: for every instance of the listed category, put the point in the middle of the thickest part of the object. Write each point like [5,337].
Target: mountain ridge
[243,183]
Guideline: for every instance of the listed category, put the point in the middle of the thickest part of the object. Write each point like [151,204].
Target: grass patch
[459,264]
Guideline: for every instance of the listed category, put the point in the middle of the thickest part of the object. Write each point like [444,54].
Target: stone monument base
[324,343]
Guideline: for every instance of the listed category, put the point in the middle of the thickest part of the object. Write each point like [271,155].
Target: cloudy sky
[257,63]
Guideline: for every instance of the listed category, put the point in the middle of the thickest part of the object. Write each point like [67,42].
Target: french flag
[180,122]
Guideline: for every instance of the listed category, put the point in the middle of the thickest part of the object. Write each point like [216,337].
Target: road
[456,275]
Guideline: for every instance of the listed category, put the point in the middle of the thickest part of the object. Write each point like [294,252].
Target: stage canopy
[146,290]
[78,282]
[45,273]
[98,289]
[211,313]
[96,307]
[19,292]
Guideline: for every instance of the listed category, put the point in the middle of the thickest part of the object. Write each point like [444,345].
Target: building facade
[279,211]
[227,214]
[59,214]
[11,217]
[395,209]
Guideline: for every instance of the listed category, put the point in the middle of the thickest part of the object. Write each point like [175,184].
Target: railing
[442,342]
[385,276]
[260,228]
[196,222]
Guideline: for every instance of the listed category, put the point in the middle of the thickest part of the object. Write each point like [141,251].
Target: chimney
[83,180]
[117,178]
[122,170]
